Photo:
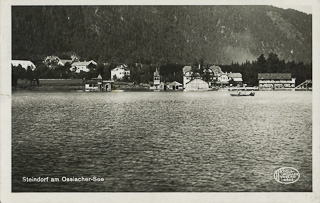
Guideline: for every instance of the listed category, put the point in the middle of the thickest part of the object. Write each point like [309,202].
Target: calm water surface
[161,141]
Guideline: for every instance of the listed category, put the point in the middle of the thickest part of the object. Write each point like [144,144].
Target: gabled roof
[24,64]
[274,76]
[175,83]
[237,79]
[64,61]
[121,67]
[234,75]
[84,63]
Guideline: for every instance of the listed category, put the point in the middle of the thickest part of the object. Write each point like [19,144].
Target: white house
[24,64]
[223,79]
[120,71]
[236,77]
[82,66]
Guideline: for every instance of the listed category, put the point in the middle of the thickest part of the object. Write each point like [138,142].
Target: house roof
[215,68]
[64,61]
[175,83]
[237,79]
[234,75]
[24,64]
[121,67]
[274,76]
[84,63]
[197,81]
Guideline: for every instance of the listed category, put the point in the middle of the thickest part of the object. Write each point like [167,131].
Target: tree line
[143,73]
[271,64]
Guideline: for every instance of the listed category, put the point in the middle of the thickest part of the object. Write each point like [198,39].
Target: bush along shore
[71,85]
[50,85]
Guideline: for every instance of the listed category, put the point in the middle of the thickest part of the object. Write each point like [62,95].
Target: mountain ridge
[159,34]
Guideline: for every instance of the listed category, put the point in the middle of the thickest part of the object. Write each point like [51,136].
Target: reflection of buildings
[276,81]
[120,71]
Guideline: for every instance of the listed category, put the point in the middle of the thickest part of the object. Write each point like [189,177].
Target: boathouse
[175,86]
[196,84]
[276,81]
[98,85]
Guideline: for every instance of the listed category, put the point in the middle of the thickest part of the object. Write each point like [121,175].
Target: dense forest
[161,34]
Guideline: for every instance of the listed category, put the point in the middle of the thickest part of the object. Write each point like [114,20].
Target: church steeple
[156,79]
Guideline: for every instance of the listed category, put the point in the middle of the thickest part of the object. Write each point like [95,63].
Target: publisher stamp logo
[286,175]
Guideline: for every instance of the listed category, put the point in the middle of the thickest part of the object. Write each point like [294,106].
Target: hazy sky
[302,8]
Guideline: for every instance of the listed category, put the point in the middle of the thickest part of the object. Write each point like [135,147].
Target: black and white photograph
[175,99]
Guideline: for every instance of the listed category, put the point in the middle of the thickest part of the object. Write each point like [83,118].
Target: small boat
[243,94]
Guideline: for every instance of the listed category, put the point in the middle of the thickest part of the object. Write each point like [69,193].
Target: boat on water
[239,94]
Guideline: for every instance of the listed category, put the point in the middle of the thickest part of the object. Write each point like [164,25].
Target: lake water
[161,141]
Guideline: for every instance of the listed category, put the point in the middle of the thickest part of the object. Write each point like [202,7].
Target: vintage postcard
[174,101]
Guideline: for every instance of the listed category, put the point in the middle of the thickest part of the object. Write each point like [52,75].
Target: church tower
[156,79]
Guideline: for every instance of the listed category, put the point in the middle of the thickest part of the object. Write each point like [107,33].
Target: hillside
[218,34]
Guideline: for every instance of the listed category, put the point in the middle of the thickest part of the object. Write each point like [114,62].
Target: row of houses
[77,66]
[214,77]
[191,81]
[217,78]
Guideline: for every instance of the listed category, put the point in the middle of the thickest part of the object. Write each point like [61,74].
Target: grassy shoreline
[71,85]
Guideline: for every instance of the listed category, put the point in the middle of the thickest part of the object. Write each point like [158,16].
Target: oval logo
[286,175]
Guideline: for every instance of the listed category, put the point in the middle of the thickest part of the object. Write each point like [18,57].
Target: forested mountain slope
[179,34]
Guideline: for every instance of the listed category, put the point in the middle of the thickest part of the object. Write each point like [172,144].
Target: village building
[276,81]
[196,84]
[222,79]
[52,61]
[120,71]
[175,86]
[83,66]
[235,78]
[98,85]
[24,64]
[64,61]
[156,81]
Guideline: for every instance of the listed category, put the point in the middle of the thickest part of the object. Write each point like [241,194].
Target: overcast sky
[302,8]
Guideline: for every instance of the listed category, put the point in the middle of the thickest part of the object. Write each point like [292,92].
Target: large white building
[24,64]
[276,81]
[120,71]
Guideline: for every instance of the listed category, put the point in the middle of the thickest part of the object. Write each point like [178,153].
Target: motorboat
[239,94]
